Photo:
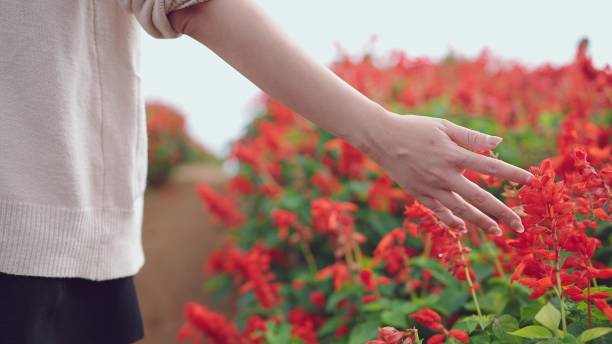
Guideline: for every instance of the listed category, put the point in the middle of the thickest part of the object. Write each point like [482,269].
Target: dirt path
[177,234]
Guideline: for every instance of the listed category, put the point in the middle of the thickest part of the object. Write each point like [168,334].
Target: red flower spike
[460,335]
[437,339]
[428,318]
[222,207]
[603,306]
[212,325]
[317,298]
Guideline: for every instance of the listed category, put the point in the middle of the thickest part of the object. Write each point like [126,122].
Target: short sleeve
[153,14]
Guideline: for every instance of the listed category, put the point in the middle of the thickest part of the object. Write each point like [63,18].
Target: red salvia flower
[339,273]
[251,270]
[283,219]
[390,335]
[317,298]
[223,207]
[304,325]
[254,333]
[335,220]
[383,196]
[432,320]
[212,325]
[428,318]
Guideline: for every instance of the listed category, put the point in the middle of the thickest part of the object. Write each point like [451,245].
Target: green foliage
[594,333]
[532,332]
[549,316]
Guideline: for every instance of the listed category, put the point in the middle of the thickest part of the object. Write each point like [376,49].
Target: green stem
[493,254]
[561,304]
[590,322]
[471,284]
[559,289]
[312,265]
[358,255]
[474,297]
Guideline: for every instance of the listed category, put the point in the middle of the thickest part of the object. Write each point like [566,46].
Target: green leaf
[495,301]
[330,326]
[569,339]
[549,316]
[529,310]
[333,300]
[602,289]
[480,339]
[380,222]
[594,333]
[452,299]
[470,323]
[291,200]
[278,333]
[376,306]
[363,332]
[503,325]
[487,320]
[438,272]
[467,324]
[532,332]
[396,315]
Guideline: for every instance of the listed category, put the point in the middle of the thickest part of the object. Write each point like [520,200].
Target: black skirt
[47,310]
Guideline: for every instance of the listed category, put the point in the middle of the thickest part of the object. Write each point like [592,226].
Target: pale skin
[425,156]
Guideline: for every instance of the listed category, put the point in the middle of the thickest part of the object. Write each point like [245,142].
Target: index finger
[492,167]
[486,202]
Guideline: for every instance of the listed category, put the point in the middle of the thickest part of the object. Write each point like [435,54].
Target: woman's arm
[423,155]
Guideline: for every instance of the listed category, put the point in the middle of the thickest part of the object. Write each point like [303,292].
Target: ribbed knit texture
[97,244]
[73,138]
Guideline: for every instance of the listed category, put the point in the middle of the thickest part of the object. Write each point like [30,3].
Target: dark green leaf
[363,332]
[503,325]
[397,314]
[467,324]
[529,311]
[330,325]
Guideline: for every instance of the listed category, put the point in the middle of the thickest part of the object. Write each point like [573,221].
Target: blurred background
[218,101]
[197,105]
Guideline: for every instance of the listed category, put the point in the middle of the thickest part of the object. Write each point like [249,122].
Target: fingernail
[517,226]
[495,230]
[494,141]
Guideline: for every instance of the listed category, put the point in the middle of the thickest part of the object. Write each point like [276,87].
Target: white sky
[218,100]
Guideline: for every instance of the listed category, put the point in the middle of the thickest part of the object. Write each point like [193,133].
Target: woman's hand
[423,155]
[427,156]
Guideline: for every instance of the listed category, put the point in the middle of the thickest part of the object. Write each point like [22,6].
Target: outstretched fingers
[462,209]
[486,202]
[443,213]
[469,138]
[492,167]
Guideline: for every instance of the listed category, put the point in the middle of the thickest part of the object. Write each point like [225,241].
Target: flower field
[168,143]
[326,248]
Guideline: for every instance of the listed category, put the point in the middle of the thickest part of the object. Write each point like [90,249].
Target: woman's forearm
[242,34]
[425,156]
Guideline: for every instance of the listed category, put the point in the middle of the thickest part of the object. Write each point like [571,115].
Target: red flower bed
[328,249]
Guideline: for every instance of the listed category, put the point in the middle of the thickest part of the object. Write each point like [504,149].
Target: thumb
[471,139]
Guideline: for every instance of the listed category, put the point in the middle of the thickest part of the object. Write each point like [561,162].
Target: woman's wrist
[375,133]
[372,131]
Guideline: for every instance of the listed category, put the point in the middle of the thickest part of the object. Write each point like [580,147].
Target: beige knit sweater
[73,139]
